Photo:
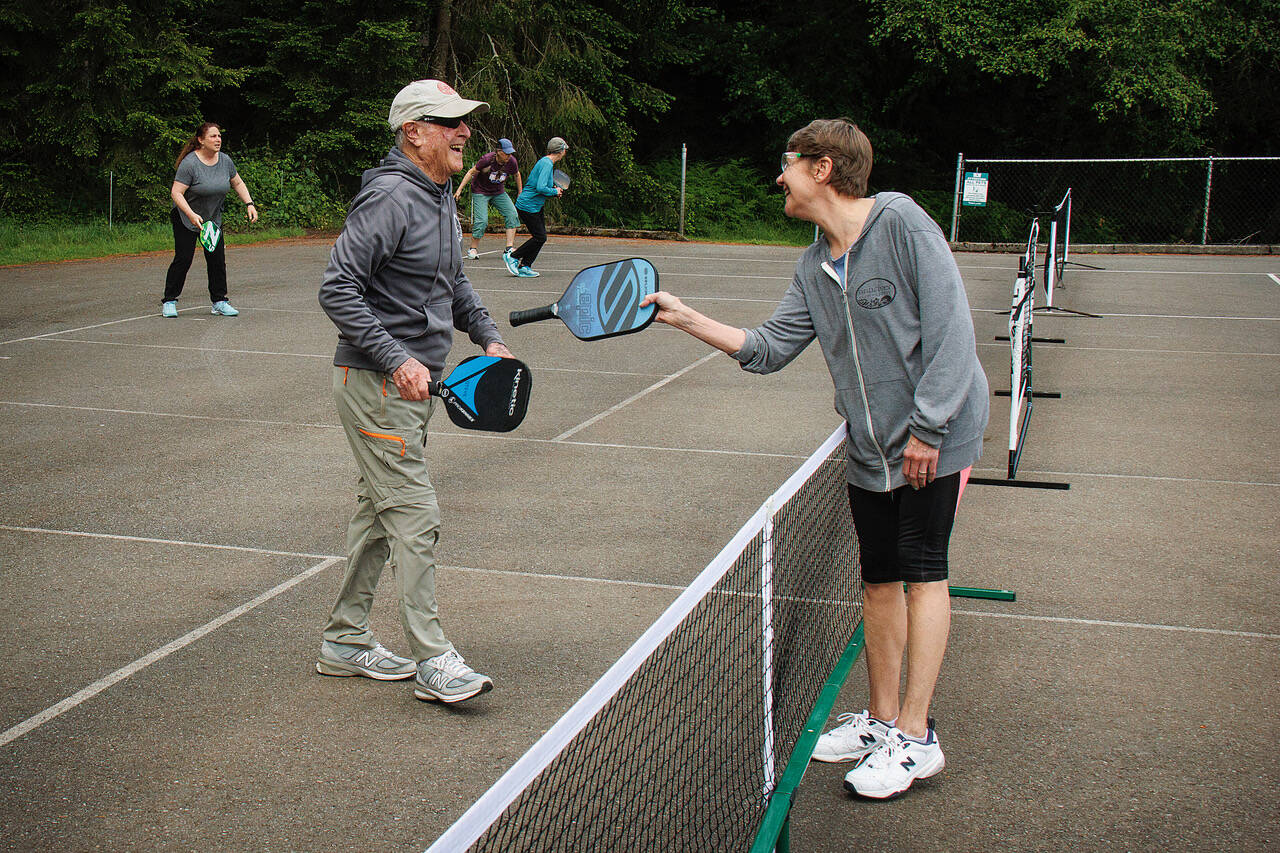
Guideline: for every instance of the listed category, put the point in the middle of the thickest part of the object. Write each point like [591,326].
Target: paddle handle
[437,388]
[532,315]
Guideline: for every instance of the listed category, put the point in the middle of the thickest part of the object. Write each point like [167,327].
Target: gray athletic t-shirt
[207,186]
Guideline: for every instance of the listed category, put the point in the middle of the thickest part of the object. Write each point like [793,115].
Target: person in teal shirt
[537,190]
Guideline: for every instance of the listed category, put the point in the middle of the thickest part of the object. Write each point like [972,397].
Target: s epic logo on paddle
[875,293]
[623,285]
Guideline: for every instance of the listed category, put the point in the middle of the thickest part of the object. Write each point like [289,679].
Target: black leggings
[184,252]
[903,534]
[537,225]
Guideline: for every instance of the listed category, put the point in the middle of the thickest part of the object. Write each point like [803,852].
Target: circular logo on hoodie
[875,293]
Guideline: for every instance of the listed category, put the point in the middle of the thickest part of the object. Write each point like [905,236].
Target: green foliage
[993,222]
[723,198]
[302,87]
[287,192]
[93,87]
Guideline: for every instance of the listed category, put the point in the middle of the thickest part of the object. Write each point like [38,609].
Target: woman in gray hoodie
[882,295]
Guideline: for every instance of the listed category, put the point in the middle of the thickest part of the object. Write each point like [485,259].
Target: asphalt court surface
[176,492]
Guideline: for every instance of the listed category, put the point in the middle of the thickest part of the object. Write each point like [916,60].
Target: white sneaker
[857,736]
[472,254]
[890,770]
[447,678]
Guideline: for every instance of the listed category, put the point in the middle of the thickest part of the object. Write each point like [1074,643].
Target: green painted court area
[176,494]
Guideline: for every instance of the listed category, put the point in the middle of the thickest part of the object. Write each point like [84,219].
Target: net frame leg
[980,592]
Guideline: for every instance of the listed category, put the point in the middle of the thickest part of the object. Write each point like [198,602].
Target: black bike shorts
[903,534]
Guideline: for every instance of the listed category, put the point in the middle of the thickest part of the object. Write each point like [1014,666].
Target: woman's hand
[195,219]
[919,463]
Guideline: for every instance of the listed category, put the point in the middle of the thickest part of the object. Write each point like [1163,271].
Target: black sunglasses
[451,123]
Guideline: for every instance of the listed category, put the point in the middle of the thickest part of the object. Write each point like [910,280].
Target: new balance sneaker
[854,739]
[527,272]
[472,254]
[224,308]
[889,771]
[447,678]
[376,662]
[169,309]
[513,266]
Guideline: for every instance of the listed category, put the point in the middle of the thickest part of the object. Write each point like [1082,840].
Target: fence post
[1208,185]
[111,198]
[684,159]
[955,198]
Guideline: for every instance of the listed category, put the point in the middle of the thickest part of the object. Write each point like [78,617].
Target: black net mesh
[676,758]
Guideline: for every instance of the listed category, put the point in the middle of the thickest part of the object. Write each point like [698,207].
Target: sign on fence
[975,189]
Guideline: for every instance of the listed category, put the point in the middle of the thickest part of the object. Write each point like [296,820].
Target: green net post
[774,833]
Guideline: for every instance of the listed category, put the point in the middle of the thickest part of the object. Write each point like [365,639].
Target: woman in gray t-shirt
[204,177]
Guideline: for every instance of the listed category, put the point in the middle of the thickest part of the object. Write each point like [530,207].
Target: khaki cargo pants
[397,517]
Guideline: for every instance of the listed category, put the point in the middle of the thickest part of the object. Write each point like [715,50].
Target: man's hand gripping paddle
[602,301]
[486,393]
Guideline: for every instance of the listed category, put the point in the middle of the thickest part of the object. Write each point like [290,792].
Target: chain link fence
[1159,200]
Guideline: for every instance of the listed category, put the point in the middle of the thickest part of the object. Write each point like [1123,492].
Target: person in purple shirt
[490,174]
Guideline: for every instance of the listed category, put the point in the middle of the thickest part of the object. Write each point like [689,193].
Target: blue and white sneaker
[889,771]
[376,662]
[857,736]
[447,678]
[169,309]
[527,272]
[224,308]
[513,266]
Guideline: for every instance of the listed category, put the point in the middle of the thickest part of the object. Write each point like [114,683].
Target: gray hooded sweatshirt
[898,338]
[394,286]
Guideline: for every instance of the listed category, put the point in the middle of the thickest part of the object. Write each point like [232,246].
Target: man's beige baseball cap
[430,98]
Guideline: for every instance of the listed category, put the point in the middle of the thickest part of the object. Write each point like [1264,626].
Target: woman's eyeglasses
[789,157]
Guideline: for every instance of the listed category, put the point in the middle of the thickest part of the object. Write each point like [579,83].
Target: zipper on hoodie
[857,364]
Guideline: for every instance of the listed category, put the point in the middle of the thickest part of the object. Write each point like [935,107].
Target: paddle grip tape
[532,315]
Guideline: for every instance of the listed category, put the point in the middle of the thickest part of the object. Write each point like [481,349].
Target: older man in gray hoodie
[395,289]
[883,297]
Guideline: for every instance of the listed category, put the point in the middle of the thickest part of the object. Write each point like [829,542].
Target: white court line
[105,411]
[328,356]
[164,651]
[1273,277]
[654,387]
[1107,623]
[330,560]
[1156,477]
[187,639]
[1005,311]
[1057,347]
[644,448]
[118,537]
[83,328]
[1011,267]
[189,349]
